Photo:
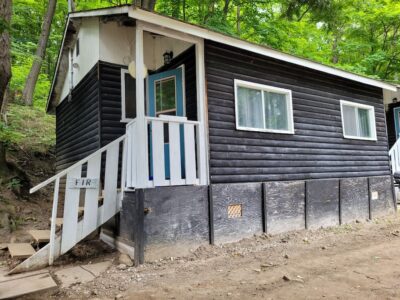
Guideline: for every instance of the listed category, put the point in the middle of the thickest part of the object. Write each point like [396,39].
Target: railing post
[142,171]
[53,221]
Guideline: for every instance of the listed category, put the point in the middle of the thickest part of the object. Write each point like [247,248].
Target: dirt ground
[359,261]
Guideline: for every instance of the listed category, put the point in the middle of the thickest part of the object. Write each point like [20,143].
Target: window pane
[276,114]
[165,95]
[349,120]
[250,110]
[130,97]
[364,123]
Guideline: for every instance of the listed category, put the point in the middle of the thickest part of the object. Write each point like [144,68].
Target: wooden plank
[40,236]
[110,183]
[71,203]
[190,154]
[20,250]
[5,277]
[26,285]
[175,154]
[53,219]
[157,143]
[91,197]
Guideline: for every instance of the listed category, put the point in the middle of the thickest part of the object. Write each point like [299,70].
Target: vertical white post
[202,160]
[142,172]
[53,220]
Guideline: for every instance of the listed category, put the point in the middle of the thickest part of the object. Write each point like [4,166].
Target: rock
[119,296]
[323,248]
[121,267]
[286,256]
[286,278]
[125,259]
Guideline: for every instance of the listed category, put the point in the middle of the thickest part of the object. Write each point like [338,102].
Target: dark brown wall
[316,150]
[78,123]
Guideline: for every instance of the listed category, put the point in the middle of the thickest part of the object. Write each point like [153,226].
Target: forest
[361,36]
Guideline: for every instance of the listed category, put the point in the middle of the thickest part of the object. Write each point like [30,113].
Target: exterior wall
[88,55]
[78,123]
[176,220]
[110,102]
[316,150]
[111,42]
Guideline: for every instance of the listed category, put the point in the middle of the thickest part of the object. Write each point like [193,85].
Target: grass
[30,128]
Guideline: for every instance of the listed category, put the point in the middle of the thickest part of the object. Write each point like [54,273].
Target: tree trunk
[335,52]
[5,58]
[30,83]
[146,4]
[238,20]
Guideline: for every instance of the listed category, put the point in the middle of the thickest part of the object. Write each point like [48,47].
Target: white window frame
[372,119]
[266,88]
[123,100]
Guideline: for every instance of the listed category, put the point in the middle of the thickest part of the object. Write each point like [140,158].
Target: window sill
[265,130]
[373,139]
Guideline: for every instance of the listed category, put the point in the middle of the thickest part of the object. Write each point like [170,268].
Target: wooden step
[40,236]
[27,283]
[20,250]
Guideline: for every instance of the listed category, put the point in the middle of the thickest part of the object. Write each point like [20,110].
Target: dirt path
[354,261]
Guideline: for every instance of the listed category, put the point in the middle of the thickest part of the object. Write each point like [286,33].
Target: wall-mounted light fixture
[168,57]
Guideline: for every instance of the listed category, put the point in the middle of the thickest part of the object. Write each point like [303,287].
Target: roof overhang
[167,22]
[204,33]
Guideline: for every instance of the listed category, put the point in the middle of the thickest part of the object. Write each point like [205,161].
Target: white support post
[53,221]
[142,172]
[202,150]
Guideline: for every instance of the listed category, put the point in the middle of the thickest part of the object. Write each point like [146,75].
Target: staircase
[83,187]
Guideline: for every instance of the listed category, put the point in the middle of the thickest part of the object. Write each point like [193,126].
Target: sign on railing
[83,183]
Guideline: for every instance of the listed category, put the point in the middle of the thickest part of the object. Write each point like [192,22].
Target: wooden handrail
[81,162]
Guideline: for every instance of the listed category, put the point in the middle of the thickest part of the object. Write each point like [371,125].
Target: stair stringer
[41,258]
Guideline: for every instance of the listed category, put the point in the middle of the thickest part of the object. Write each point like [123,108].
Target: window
[165,96]
[128,96]
[263,108]
[358,121]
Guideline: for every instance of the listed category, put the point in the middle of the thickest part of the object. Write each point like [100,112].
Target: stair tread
[20,250]
[40,236]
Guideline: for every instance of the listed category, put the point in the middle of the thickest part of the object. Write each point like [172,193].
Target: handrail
[81,162]
[171,120]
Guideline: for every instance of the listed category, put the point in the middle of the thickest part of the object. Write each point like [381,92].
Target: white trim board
[204,33]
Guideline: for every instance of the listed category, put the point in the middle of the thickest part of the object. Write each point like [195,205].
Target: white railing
[171,161]
[394,154]
[73,229]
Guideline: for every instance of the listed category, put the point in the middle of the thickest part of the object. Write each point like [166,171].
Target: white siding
[88,55]
[111,42]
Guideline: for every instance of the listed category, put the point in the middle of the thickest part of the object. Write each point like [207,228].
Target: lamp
[168,57]
[132,70]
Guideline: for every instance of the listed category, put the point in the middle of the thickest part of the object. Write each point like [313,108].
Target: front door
[396,115]
[166,97]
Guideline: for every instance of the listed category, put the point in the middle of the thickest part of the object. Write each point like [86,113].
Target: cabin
[171,136]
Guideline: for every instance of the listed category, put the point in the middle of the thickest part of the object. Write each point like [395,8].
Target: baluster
[175,153]
[190,154]
[157,142]
[110,183]
[53,220]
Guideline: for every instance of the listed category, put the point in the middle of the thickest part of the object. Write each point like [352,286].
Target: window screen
[358,121]
[263,108]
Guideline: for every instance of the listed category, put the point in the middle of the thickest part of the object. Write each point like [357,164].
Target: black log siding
[316,150]
[77,123]
[110,102]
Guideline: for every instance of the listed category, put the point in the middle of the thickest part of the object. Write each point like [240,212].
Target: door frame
[176,104]
[396,114]
[202,118]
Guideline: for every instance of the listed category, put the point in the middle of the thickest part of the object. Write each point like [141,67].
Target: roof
[205,33]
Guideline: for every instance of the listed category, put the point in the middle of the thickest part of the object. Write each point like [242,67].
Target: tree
[32,78]
[5,69]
